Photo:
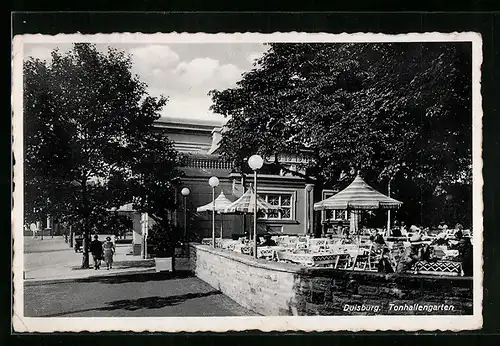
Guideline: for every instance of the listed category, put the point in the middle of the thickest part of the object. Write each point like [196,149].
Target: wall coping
[312,271]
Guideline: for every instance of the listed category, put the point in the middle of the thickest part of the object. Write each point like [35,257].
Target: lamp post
[255,162]
[213,182]
[309,188]
[185,192]
[389,211]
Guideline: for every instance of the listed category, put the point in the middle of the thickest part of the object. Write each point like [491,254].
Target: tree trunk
[173,257]
[85,244]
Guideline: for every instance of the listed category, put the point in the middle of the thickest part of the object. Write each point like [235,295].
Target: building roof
[205,172]
[190,123]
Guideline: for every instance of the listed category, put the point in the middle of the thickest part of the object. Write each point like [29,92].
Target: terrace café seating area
[355,253]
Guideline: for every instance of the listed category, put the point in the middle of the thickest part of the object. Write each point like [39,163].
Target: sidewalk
[51,260]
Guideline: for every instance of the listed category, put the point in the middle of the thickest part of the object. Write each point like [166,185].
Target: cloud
[190,107]
[253,56]
[197,71]
[183,73]
[43,52]
[154,56]
[205,74]
[230,73]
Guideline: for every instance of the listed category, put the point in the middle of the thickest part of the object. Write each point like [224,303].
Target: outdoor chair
[343,261]
[280,257]
[362,262]
[301,246]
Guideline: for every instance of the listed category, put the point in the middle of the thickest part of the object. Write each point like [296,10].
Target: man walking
[96,250]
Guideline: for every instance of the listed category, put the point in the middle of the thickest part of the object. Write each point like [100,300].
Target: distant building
[198,139]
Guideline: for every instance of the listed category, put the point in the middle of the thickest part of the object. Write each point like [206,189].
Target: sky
[184,73]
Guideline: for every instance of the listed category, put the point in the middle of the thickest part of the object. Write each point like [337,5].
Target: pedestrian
[464,248]
[109,251]
[34,229]
[96,250]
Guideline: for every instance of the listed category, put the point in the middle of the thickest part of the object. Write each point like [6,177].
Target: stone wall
[271,288]
[254,284]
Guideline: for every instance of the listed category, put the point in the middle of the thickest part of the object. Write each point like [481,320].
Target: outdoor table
[242,248]
[448,254]
[317,242]
[449,268]
[206,241]
[267,251]
[230,244]
[309,259]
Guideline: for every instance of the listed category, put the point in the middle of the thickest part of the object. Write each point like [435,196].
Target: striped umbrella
[221,203]
[245,204]
[359,196]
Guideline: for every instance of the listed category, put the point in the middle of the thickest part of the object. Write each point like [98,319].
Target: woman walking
[109,251]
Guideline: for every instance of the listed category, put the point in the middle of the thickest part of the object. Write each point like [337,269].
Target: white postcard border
[265,324]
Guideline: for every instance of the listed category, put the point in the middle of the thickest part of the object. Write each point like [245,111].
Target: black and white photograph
[195,182]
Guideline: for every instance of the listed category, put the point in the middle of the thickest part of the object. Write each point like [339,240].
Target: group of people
[102,251]
[421,251]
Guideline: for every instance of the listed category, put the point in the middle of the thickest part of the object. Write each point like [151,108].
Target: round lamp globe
[213,182]
[255,162]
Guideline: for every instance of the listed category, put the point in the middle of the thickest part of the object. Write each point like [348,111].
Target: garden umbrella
[246,204]
[221,202]
[358,196]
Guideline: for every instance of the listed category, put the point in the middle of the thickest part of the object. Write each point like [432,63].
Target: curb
[38,282]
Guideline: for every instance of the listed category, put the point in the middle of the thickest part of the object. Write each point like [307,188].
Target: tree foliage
[395,111]
[89,139]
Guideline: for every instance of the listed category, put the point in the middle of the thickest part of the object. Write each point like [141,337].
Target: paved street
[52,258]
[131,289]
[139,295]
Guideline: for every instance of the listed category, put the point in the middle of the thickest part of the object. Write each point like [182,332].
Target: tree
[87,123]
[399,112]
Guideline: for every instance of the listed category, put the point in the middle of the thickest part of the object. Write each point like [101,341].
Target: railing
[208,163]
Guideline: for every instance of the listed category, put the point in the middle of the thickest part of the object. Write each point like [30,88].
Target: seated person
[441,240]
[464,248]
[384,265]
[379,239]
[411,255]
[426,253]
[377,242]
[403,230]
[396,232]
[268,241]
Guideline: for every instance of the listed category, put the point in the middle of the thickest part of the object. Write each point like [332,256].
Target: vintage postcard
[231,182]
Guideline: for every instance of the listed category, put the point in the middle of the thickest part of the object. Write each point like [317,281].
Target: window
[333,215]
[284,203]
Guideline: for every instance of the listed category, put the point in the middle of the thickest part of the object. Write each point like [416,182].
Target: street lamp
[309,188]
[185,192]
[213,182]
[255,162]
[388,210]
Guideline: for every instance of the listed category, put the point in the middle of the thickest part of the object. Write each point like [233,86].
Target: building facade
[198,140]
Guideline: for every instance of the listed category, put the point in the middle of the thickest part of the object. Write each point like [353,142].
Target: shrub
[162,239]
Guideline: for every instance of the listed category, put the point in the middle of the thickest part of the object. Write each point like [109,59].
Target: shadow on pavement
[142,303]
[122,265]
[141,277]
